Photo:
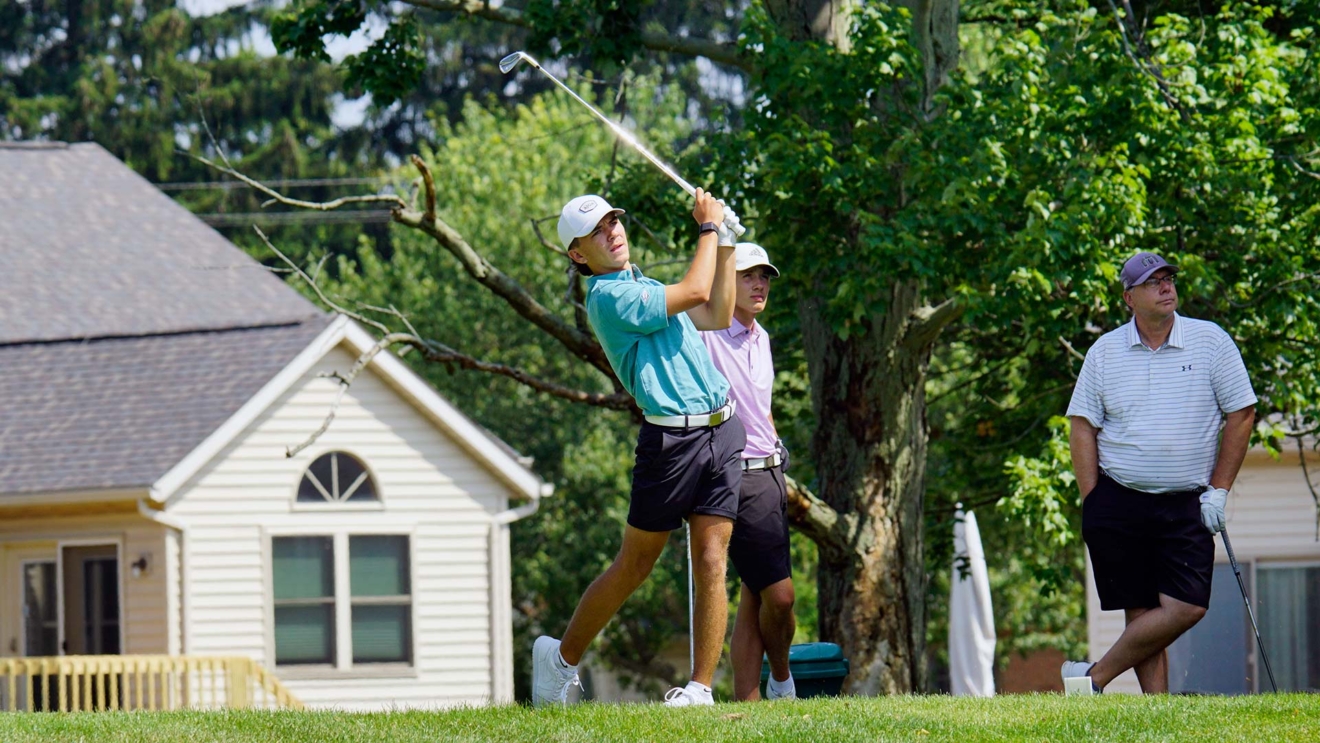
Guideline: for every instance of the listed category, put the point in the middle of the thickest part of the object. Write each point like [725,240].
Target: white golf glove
[726,237]
[1212,509]
[733,223]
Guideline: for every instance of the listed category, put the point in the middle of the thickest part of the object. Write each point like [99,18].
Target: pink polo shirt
[742,355]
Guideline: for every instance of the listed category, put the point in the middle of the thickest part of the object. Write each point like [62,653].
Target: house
[152,376]
[1274,527]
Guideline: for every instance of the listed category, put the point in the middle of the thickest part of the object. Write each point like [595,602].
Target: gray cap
[1140,266]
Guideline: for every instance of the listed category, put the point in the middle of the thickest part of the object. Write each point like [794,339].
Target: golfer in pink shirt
[759,546]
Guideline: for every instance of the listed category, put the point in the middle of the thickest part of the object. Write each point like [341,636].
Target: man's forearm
[1233,447]
[1085,454]
[724,290]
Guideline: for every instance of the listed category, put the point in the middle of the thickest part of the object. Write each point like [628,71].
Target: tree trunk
[868,393]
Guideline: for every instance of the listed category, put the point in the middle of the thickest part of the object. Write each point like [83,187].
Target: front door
[91,600]
[41,626]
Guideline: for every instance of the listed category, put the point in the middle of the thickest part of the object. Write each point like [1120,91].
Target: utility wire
[242,219]
[285,182]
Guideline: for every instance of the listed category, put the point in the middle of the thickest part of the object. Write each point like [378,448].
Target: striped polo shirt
[1159,412]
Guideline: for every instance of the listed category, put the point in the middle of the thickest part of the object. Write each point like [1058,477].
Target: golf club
[692,636]
[513,60]
[1232,560]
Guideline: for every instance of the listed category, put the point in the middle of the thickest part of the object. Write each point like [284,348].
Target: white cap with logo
[581,215]
[750,255]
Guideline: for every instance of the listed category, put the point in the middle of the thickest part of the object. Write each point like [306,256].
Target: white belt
[762,463]
[690,421]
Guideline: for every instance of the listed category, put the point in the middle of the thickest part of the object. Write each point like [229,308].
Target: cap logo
[1149,260]
[758,252]
[587,206]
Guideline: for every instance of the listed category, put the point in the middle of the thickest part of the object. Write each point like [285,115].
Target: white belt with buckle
[690,421]
[762,463]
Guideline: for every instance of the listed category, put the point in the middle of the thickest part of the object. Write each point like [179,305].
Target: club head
[513,60]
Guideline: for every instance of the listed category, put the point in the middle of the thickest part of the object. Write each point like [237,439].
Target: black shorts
[1145,544]
[682,471]
[759,546]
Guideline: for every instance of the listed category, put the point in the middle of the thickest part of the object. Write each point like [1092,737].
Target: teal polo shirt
[660,359]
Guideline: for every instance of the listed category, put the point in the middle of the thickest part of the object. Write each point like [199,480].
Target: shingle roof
[89,249]
[119,413]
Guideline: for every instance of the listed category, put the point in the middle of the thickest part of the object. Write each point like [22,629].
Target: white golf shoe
[692,695]
[1077,679]
[780,689]
[551,677]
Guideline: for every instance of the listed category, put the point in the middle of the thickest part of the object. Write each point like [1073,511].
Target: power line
[284,182]
[240,219]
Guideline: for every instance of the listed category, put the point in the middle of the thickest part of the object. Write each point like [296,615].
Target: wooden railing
[84,683]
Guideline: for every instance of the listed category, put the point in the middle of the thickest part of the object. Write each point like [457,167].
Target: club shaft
[1232,560]
[628,137]
[692,630]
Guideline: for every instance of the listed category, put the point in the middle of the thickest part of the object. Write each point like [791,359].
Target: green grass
[1284,717]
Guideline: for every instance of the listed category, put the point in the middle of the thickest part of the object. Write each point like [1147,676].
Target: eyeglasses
[1155,283]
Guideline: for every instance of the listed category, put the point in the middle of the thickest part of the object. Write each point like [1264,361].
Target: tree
[912,198]
[144,79]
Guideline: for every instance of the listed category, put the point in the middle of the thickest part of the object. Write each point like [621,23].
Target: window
[1289,601]
[382,604]
[303,571]
[361,582]
[336,477]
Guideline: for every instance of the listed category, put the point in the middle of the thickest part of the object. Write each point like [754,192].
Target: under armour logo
[1187,367]
[587,205]
[646,296]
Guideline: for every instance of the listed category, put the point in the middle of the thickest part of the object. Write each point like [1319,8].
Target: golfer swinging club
[759,546]
[1153,471]
[690,446]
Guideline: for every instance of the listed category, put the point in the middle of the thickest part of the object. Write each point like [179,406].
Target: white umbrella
[971,617]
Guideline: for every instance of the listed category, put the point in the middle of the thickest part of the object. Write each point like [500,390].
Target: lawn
[1284,717]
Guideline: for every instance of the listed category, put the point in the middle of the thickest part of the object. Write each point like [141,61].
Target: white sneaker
[780,689]
[1077,679]
[692,695]
[551,679]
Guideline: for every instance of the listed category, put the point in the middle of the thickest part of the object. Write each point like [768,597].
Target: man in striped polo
[759,546]
[1153,470]
[690,444]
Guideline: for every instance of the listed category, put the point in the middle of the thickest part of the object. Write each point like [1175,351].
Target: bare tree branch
[440,353]
[433,351]
[925,323]
[276,197]
[817,519]
[583,345]
[1072,351]
[536,227]
[1146,62]
[1306,476]
[714,51]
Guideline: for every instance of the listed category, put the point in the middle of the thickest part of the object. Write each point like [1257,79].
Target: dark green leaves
[300,31]
[391,66]
[608,29]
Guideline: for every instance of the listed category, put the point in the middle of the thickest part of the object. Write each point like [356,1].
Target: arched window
[336,477]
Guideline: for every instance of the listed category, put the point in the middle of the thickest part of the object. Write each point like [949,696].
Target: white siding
[144,611]
[1271,517]
[431,489]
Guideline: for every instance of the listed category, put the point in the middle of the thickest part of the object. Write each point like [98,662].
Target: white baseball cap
[750,255]
[580,216]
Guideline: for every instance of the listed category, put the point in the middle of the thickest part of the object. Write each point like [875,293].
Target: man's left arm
[1233,447]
